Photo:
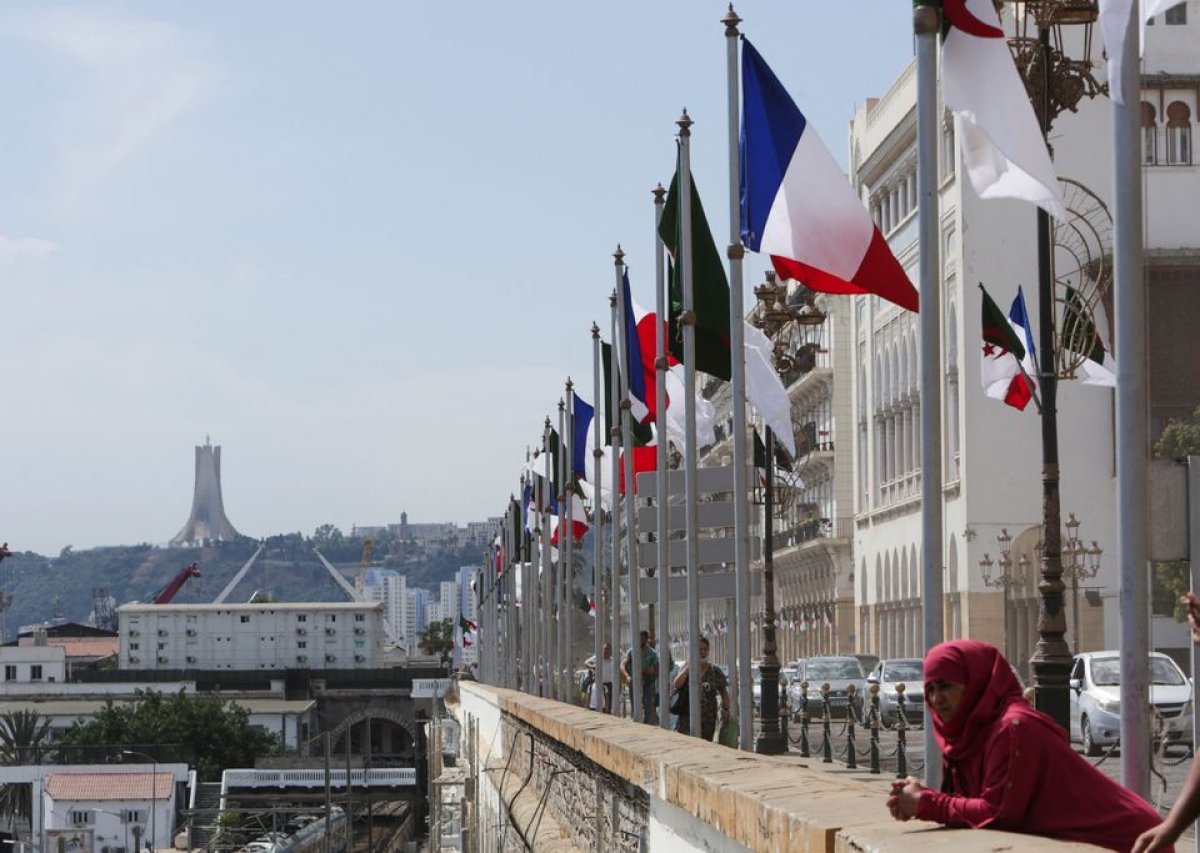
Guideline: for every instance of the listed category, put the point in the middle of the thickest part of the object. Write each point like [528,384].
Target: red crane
[164,595]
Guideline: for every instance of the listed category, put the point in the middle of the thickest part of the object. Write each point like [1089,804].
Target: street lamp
[152,845]
[1054,83]
[1006,577]
[1080,563]
[124,822]
[777,315]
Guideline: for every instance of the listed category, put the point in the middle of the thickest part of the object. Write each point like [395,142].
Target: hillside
[43,587]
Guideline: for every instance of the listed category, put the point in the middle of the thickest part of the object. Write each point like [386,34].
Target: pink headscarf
[989,688]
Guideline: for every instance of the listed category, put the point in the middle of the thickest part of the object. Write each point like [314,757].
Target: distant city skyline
[366,277]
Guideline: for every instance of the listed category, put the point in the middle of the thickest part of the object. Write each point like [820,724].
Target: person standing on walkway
[1007,765]
[1187,808]
[649,678]
[713,684]
[601,682]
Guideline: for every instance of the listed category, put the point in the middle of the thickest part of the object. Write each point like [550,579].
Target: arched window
[1179,134]
[1149,134]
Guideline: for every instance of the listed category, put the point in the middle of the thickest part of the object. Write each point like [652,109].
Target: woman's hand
[1159,838]
[905,795]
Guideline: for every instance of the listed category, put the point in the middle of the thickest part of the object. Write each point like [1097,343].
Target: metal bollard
[851,758]
[827,746]
[874,723]
[804,752]
[901,734]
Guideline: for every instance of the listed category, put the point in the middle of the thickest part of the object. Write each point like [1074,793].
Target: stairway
[205,814]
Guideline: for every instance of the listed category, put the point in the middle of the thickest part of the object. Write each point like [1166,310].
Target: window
[1149,134]
[360,617]
[35,672]
[332,617]
[1177,14]
[303,644]
[244,619]
[10,672]
[132,816]
[1179,134]
[133,647]
[82,817]
[303,617]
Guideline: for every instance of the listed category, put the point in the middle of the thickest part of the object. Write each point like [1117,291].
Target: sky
[359,245]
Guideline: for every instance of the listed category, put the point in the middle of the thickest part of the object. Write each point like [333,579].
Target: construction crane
[364,563]
[164,595]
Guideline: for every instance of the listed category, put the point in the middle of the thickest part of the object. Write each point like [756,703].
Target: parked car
[839,673]
[867,662]
[909,672]
[756,685]
[1096,699]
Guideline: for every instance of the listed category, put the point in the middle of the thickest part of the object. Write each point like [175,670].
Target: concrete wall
[550,776]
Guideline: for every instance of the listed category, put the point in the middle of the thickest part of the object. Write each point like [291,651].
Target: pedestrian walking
[600,694]
[713,685]
[1007,765]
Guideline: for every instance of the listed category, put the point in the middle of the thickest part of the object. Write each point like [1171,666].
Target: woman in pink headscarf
[1009,766]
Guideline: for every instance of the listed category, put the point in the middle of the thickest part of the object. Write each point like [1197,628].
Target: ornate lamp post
[1006,577]
[775,315]
[1055,83]
[1080,563]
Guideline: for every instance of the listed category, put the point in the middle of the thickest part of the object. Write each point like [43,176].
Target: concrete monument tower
[207,521]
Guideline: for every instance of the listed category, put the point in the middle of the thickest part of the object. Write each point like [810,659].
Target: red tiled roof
[108,786]
[90,647]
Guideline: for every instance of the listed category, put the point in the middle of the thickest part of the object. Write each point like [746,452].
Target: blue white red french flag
[798,207]
[637,376]
[581,437]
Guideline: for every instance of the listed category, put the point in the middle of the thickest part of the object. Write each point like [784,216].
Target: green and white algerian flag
[1082,334]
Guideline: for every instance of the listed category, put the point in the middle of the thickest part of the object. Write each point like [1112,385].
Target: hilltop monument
[207,521]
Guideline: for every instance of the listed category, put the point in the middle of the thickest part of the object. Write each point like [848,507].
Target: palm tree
[21,735]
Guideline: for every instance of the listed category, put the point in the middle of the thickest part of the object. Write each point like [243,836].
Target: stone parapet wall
[571,779]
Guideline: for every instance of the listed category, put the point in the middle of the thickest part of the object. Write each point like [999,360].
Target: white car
[1096,699]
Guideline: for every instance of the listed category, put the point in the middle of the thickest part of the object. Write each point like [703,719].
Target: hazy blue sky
[361,245]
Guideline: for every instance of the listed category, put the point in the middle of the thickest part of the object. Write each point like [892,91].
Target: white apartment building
[310,635]
[992,452]
[32,666]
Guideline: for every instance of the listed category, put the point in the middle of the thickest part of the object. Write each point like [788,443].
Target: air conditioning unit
[301,658]
[359,658]
[162,659]
[302,632]
[330,631]
[191,659]
[134,659]
[330,658]
[162,633]
[191,632]
[360,631]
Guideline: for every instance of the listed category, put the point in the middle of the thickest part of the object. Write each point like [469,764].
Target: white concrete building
[109,810]
[992,452]
[316,635]
[26,666]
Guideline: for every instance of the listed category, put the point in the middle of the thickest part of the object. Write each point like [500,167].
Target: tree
[438,637]
[21,734]
[1179,439]
[216,732]
[326,536]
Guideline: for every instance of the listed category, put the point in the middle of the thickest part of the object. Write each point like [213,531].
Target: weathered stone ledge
[699,790]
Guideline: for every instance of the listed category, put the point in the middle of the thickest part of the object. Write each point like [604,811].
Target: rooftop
[109,786]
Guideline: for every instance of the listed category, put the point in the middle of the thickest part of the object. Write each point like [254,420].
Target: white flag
[1114,21]
[1003,150]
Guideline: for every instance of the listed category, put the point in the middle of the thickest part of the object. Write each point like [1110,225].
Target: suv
[1096,699]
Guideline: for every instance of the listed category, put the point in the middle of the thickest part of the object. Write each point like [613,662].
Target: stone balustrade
[555,777]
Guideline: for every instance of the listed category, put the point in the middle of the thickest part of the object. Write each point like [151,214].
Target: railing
[394,777]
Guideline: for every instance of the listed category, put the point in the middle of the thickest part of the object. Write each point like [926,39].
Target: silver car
[839,673]
[1096,699]
[907,671]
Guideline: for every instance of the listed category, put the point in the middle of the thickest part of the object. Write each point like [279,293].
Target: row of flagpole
[864,265]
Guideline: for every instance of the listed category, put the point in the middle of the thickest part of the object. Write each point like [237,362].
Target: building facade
[317,635]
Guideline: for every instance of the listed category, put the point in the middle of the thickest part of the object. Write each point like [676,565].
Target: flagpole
[529,604]
[510,599]
[614,438]
[926,25]
[547,570]
[506,561]
[1129,302]
[560,495]
[690,474]
[737,357]
[597,515]
[569,575]
[663,568]
[631,543]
